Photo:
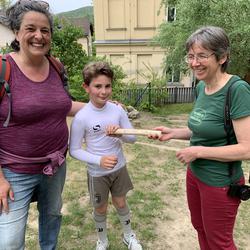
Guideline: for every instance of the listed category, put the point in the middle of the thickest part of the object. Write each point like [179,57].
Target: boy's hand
[110,130]
[108,162]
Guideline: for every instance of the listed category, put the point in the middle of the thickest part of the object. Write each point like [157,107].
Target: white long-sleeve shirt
[89,126]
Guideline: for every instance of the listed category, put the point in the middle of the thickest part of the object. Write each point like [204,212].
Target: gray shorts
[117,183]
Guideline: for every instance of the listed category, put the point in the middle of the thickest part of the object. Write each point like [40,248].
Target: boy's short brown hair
[94,69]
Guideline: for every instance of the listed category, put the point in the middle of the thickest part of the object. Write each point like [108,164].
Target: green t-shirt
[206,121]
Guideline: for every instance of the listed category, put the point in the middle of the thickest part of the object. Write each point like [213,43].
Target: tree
[4,4]
[70,53]
[231,15]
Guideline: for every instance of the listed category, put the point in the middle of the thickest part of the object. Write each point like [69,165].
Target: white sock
[124,216]
[101,226]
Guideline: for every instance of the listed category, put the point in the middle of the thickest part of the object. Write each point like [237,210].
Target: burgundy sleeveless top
[38,122]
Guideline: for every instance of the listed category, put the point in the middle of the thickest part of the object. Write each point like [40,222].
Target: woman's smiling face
[34,35]
[203,62]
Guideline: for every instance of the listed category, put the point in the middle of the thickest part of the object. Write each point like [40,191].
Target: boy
[106,163]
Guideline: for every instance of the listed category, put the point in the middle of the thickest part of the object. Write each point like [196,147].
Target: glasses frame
[198,58]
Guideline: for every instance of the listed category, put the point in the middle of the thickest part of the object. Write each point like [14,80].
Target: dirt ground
[175,233]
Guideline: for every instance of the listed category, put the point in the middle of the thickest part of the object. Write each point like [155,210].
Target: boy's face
[99,90]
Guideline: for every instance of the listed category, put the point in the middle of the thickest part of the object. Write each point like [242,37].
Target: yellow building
[123,33]
[124,30]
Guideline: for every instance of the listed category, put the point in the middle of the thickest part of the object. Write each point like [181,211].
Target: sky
[57,6]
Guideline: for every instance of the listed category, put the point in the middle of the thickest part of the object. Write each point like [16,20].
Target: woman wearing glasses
[209,156]
[37,135]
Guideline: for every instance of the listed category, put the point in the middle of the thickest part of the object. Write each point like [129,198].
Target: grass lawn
[160,216]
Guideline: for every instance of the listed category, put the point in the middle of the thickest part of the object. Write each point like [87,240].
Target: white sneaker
[132,242]
[100,245]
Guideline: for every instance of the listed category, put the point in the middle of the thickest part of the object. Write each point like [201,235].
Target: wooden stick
[126,131]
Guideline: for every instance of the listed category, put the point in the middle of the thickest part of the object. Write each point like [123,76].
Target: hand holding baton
[147,132]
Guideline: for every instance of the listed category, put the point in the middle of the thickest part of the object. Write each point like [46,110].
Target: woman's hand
[108,162]
[5,192]
[118,103]
[172,133]
[189,154]
[167,134]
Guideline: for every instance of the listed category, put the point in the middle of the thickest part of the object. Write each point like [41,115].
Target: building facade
[84,24]
[7,36]
[124,32]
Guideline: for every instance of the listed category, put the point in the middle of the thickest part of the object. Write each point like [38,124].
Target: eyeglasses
[199,58]
[43,4]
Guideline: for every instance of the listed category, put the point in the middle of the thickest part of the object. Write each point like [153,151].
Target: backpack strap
[58,66]
[228,126]
[4,85]
[4,75]
[227,119]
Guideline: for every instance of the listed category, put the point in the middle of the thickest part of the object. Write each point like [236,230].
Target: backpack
[5,76]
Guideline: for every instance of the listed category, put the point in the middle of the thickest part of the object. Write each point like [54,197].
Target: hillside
[78,13]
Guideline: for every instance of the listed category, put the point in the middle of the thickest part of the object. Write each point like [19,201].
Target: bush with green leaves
[70,53]
[66,48]
[5,50]
[231,15]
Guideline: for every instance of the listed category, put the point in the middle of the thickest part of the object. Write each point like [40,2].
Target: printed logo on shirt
[197,116]
[97,128]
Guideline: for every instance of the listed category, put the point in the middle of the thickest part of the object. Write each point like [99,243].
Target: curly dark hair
[15,13]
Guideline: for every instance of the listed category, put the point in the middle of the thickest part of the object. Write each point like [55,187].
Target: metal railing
[157,96]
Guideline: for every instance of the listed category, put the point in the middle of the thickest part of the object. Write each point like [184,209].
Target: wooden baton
[131,131]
